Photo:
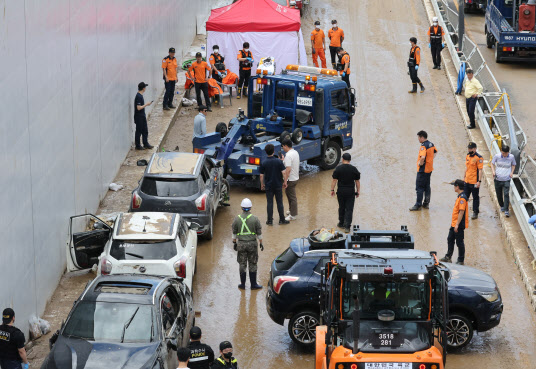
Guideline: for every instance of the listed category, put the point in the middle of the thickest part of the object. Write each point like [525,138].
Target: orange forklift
[382,307]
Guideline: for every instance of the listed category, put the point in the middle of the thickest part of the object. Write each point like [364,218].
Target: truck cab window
[339,100]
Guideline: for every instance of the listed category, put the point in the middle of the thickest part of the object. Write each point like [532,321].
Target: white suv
[137,243]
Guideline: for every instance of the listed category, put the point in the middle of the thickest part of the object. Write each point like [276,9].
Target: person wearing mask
[272,172]
[344,65]
[336,37]
[460,221]
[200,122]
[169,69]
[201,355]
[245,58]
[247,230]
[436,42]
[226,359]
[183,356]
[473,89]
[425,166]
[414,62]
[140,119]
[503,166]
[199,70]
[12,351]
[346,177]
[474,163]
[217,63]
[318,45]
[292,174]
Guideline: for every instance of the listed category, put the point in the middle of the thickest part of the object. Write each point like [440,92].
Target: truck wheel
[498,53]
[297,136]
[331,156]
[222,129]
[302,328]
[459,331]
[284,135]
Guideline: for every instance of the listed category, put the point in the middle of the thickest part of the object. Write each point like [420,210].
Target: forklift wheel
[222,129]
[284,135]
[297,136]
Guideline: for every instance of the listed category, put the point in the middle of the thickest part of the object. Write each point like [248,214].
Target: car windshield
[163,250]
[170,187]
[111,322]
[408,300]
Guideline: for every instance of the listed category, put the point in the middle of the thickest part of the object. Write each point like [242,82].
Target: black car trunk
[170,195]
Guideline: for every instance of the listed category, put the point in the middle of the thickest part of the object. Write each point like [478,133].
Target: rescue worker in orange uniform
[436,42]
[169,69]
[199,70]
[425,166]
[344,65]
[413,64]
[318,45]
[460,221]
[216,63]
[245,57]
[474,163]
[336,37]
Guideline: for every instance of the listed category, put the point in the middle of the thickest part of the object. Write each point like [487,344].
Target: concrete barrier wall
[69,71]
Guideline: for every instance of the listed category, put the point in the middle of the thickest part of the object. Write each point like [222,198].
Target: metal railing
[495,120]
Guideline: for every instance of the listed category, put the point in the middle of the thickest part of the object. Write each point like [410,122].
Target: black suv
[294,287]
[190,184]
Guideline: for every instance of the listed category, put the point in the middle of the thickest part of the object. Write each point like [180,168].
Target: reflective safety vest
[222,362]
[436,37]
[244,225]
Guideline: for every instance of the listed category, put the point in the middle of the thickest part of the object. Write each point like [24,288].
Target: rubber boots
[242,284]
[253,281]
[239,95]
[245,90]
[414,91]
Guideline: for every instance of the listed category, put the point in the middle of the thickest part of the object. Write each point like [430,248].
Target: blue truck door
[339,115]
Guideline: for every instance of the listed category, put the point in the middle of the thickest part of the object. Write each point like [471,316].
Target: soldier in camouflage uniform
[246,231]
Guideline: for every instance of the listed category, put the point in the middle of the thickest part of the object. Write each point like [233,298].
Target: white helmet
[435,20]
[246,204]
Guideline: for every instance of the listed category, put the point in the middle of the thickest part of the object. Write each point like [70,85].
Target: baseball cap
[171,49]
[195,333]
[7,315]
[225,345]
[198,55]
[346,156]
[459,183]
[142,85]
[317,22]
[471,145]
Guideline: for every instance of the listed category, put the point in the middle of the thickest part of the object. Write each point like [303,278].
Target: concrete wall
[69,71]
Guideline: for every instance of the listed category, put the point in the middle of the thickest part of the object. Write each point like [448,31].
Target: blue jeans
[502,189]
[10,364]
[470,103]
[422,187]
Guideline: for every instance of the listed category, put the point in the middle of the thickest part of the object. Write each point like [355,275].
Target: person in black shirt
[201,355]
[12,352]
[140,119]
[272,170]
[226,359]
[346,177]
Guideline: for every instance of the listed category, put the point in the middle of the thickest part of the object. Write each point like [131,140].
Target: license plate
[305,101]
[387,340]
[387,365]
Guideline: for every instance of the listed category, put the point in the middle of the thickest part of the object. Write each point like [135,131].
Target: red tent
[254,16]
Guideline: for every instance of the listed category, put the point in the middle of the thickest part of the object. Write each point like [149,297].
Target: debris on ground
[38,327]
[115,186]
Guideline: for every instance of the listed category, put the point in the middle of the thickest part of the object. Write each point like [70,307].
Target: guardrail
[495,120]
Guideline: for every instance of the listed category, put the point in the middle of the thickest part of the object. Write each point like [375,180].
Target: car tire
[302,328]
[331,155]
[210,231]
[221,128]
[459,331]
[297,136]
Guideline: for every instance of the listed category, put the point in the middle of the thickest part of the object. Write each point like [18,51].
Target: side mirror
[171,343]
[195,226]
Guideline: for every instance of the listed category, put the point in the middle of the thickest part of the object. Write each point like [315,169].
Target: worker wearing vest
[245,58]
[246,231]
[344,65]
[436,42]
[226,359]
[413,64]
[217,63]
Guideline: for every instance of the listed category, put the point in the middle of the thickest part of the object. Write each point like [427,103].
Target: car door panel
[88,236]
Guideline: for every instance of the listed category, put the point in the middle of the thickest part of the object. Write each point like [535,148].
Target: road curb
[516,244]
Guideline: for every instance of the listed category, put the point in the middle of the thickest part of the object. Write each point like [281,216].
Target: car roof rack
[361,239]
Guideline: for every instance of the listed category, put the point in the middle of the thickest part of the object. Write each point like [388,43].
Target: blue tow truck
[510,27]
[312,106]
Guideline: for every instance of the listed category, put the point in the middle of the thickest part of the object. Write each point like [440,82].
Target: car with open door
[190,184]
[141,243]
[124,321]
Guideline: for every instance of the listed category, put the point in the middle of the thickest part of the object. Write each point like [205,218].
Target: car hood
[464,277]
[71,353]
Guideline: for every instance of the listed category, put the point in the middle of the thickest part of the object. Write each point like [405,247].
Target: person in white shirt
[183,354]
[292,174]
